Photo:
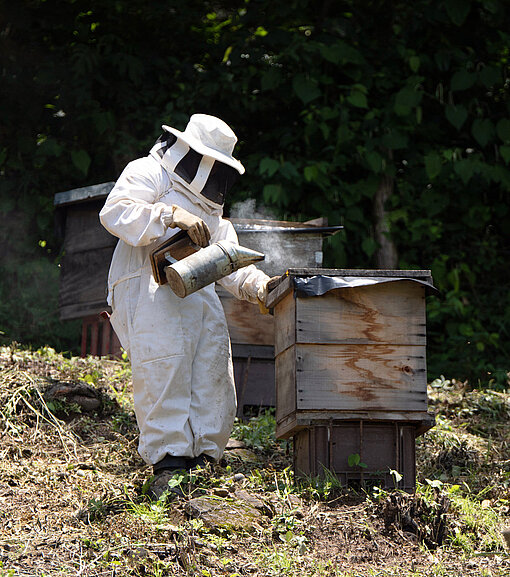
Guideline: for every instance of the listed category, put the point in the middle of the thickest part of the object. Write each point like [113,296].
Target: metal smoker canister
[208,265]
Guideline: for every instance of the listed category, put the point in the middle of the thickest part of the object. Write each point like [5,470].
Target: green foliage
[257,432]
[327,99]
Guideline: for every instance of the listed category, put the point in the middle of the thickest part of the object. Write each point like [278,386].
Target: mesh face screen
[188,166]
[220,181]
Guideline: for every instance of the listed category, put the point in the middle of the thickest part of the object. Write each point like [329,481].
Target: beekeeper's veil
[200,158]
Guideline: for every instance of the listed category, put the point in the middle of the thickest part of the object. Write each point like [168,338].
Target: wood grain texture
[285,324]
[285,371]
[299,420]
[360,377]
[84,231]
[245,322]
[377,314]
[83,282]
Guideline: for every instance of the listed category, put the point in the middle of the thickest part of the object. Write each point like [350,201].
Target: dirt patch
[72,498]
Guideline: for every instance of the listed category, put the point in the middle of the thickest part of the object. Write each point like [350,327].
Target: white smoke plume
[282,250]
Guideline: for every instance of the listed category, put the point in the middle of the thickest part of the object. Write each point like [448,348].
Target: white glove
[197,230]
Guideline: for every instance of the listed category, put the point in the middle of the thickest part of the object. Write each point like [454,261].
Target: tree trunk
[386,256]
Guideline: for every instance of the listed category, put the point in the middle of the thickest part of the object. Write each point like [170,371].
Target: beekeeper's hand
[197,230]
[263,292]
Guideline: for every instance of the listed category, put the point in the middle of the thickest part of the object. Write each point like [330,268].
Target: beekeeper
[184,393]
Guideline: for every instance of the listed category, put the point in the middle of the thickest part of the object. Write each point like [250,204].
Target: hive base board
[297,421]
[326,449]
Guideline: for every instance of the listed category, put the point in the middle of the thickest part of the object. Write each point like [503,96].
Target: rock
[244,455]
[506,536]
[234,444]
[239,477]
[224,513]
[81,394]
[254,502]
[221,492]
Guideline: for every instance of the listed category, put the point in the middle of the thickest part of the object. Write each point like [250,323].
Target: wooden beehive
[349,355]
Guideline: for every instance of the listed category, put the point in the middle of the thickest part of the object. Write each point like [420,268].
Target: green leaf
[503,129]
[289,170]
[344,134]
[462,80]
[311,173]
[226,54]
[358,99]
[483,131]
[268,166]
[353,460]
[341,53]
[369,246]
[394,140]
[261,31]
[456,115]
[81,160]
[50,147]
[270,79]
[490,75]
[305,88]
[505,153]
[332,53]
[465,168]
[406,99]
[414,63]
[272,194]
[374,160]
[433,165]
[458,10]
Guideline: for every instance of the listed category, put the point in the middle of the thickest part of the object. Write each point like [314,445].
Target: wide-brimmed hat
[209,136]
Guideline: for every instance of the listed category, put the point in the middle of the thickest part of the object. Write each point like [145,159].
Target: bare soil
[72,493]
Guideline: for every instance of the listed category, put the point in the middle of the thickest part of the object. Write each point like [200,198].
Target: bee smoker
[208,265]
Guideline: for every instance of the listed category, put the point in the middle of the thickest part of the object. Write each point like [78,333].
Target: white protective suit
[184,393]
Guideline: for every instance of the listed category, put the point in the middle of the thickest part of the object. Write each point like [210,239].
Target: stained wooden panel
[286,383]
[84,231]
[254,379]
[384,313]
[358,377]
[285,324]
[83,282]
[246,324]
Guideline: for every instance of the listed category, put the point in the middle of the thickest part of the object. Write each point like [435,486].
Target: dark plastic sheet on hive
[319,285]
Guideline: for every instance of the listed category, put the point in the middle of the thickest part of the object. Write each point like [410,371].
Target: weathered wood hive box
[351,369]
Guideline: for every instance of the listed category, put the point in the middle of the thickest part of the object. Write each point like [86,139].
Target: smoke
[282,250]
[248,209]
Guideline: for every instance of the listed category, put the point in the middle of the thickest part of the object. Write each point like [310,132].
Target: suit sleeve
[132,211]
[245,282]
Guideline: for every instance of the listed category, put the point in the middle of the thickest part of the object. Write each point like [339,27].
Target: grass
[72,499]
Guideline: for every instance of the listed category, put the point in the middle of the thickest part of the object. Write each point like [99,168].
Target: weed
[321,487]
[474,527]
[258,432]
